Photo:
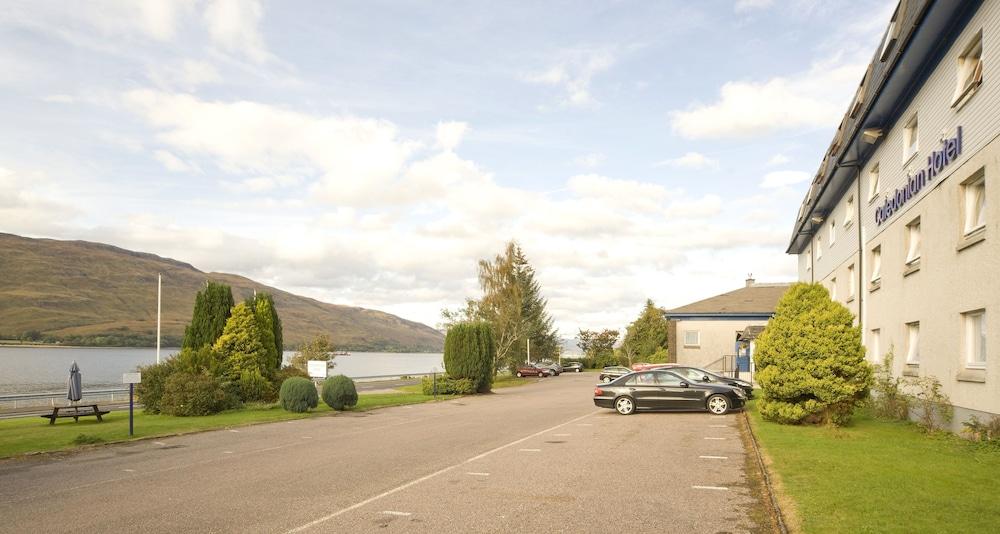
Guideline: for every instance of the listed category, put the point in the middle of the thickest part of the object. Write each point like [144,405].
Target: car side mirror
[706,379]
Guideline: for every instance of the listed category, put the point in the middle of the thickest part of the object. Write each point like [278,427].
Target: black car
[612,372]
[661,389]
[572,367]
[697,374]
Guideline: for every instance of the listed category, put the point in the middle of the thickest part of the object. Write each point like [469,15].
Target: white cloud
[450,134]
[591,160]
[234,26]
[59,99]
[573,71]
[691,160]
[187,75]
[784,178]
[778,159]
[749,5]
[816,98]
[172,163]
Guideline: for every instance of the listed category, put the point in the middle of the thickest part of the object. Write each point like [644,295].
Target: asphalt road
[537,458]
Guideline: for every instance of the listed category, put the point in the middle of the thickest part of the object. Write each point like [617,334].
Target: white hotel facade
[902,221]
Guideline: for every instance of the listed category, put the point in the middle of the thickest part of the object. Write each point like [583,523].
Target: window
[692,338]
[851,284]
[913,343]
[876,264]
[819,247]
[849,212]
[833,288]
[892,34]
[970,70]
[975,338]
[873,185]
[833,231]
[974,203]
[913,242]
[875,344]
[911,144]
[668,379]
[643,379]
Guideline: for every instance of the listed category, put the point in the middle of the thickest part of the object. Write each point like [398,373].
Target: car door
[645,391]
[678,393]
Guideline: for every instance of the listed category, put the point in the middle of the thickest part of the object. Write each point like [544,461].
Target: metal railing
[50,398]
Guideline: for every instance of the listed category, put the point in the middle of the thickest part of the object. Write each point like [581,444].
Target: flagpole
[159,297]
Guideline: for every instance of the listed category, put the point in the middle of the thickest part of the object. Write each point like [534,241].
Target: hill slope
[91,293]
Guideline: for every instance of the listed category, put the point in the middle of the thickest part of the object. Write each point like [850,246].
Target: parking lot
[537,458]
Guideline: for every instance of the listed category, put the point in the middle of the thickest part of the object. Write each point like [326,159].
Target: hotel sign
[936,162]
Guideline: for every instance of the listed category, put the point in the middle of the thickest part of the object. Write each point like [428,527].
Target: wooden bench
[75,412]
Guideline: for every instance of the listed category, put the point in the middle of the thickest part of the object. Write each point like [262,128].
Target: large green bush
[469,352]
[254,387]
[298,395]
[241,343]
[447,385]
[154,381]
[188,394]
[339,392]
[810,361]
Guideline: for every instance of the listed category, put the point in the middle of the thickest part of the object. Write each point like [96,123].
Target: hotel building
[902,221]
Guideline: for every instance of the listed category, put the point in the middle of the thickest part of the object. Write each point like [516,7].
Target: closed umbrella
[75,386]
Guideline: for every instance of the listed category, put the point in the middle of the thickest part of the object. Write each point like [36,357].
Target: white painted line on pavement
[718,426]
[307,437]
[129,470]
[715,457]
[716,439]
[393,512]
[160,443]
[585,424]
[529,450]
[717,488]
[424,478]
[562,434]
[227,452]
[234,431]
[478,474]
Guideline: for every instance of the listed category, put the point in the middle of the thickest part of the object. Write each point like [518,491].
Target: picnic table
[75,412]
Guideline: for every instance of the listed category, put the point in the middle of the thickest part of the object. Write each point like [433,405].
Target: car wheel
[519,375]
[625,405]
[606,379]
[718,404]
[578,370]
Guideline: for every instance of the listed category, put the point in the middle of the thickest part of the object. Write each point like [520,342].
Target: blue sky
[368,153]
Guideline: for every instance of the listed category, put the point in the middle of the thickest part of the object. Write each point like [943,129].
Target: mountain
[87,293]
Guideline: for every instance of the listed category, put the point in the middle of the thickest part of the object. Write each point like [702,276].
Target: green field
[34,434]
[881,476]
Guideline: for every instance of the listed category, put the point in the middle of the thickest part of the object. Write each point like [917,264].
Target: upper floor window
[873,185]
[876,264]
[913,241]
[970,70]
[833,231]
[851,282]
[974,203]
[849,212]
[911,139]
[975,338]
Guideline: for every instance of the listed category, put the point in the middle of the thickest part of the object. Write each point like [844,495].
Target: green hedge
[447,385]
[187,394]
[339,392]
[298,395]
[469,353]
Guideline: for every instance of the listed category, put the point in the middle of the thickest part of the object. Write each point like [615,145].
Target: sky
[370,153]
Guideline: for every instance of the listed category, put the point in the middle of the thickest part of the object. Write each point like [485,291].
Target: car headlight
[740,393]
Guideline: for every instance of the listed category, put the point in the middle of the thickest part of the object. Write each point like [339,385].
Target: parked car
[612,372]
[549,364]
[530,369]
[697,374]
[650,366]
[661,389]
[572,367]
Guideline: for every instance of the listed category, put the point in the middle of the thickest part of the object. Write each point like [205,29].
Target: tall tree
[599,347]
[646,337]
[241,345]
[502,304]
[269,323]
[212,308]
[540,330]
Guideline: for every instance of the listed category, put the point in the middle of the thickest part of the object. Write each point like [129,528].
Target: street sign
[132,378]
[317,368]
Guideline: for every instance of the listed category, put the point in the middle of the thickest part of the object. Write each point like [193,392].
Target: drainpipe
[859,273]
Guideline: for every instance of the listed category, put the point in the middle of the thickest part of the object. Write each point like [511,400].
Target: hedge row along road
[530,459]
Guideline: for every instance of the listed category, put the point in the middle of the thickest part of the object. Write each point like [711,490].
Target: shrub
[339,392]
[254,387]
[888,400]
[241,345]
[204,359]
[187,394]
[933,408]
[154,381]
[287,372]
[469,353]
[810,361]
[986,432]
[298,395]
[447,385]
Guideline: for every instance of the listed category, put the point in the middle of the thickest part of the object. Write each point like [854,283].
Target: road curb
[779,516]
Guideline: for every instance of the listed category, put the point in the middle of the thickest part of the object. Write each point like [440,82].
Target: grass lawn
[881,476]
[34,434]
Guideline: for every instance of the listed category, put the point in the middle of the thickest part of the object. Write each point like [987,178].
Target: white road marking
[160,443]
[439,472]
[585,424]
[307,437]
[529,450]
[715,457]
[478,474]
[717,439]
[562,434]
[717,488]
[129,470]
[227,452]
[234,431]
[718,426]
[393,512]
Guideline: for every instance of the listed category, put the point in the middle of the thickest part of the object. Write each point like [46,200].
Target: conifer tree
[469,353]
[810,361]
[212,307]
[269,325]
[646,337]
[241,344]
[540,329]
